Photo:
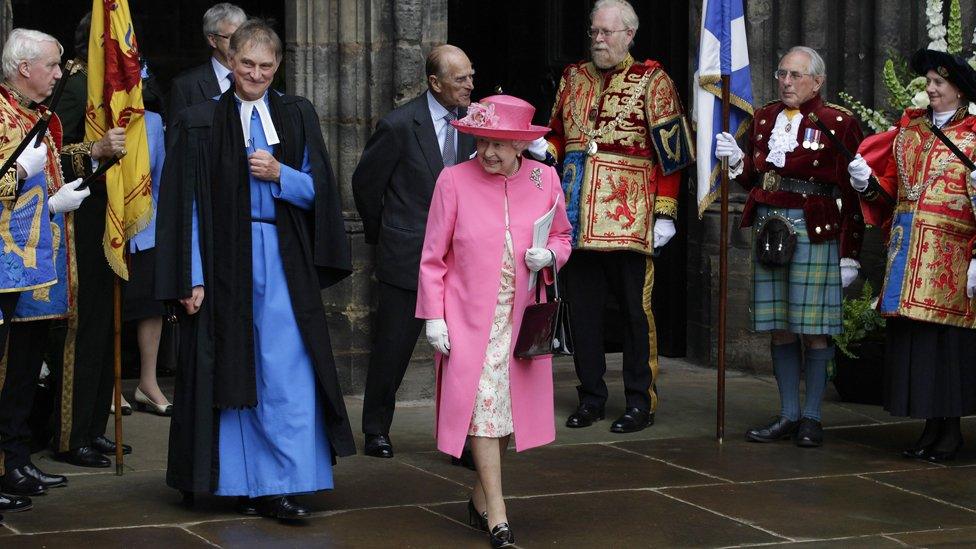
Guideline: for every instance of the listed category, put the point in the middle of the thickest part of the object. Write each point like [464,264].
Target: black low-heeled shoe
[501,536]
[476,519]
[939,456]
[916,452]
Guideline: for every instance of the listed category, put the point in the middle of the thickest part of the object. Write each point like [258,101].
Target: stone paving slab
[393,527]
[741,461]
[119,538]
[826,507]
[956,485]
[864,542]
[943,539]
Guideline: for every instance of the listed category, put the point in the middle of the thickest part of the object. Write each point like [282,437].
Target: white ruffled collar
[782,139]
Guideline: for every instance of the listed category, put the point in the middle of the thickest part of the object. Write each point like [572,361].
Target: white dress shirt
[221,73]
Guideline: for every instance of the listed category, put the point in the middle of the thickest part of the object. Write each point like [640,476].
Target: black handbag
[545,327]
[775,242]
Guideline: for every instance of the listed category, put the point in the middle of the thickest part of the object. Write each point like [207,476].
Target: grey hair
[24,45]
[817,65]
[223,11]
[256,31]
[627,14]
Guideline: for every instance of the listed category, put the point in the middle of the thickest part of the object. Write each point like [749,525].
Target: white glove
[664,231]
[33,159]
[971,279]
[848,271]
[860,173]
[539,148]
[68,198]
[436,330]
[972,179]
[537,258]
[726,147]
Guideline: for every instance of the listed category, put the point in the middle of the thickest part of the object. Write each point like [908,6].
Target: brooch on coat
[536,177]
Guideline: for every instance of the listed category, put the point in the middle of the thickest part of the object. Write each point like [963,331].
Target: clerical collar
[247,107]
[21,99]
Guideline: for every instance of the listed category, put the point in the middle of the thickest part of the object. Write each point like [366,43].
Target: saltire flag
[723,50]
[115,100]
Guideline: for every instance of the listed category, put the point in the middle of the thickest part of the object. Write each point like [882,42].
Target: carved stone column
[356,60]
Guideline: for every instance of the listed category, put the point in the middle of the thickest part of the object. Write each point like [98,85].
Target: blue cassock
[280,446]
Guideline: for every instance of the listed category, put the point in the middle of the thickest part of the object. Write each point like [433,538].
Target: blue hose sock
[786,366]
[816,380]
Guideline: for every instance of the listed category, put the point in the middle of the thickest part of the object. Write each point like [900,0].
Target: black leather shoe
[281,508]
[46,480]
[936,455]
[809,434]
[466,460]
[18,483]
[86,456]
[476,519]
[916,452]
[584,416]
[633,420]
[107,447]
[777,430]
[501,536]
[247,506]
[378,446]
[15,504]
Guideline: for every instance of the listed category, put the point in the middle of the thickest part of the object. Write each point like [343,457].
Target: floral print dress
[492,415]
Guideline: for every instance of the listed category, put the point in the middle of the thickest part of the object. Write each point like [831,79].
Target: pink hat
[501,117]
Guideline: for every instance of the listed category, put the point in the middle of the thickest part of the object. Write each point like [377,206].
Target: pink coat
[460,275]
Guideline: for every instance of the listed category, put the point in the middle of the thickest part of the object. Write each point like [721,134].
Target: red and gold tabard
[817,161]
[622,138]
[932,234]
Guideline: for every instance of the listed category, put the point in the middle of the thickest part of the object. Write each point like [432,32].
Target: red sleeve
[557,137]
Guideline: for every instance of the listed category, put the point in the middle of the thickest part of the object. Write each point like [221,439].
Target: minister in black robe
[210,171]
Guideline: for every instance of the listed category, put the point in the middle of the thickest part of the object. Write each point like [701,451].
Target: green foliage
[898,96]
[861,321]
[954,28]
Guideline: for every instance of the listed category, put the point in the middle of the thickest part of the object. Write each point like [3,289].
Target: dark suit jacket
[192,86]
[393,184]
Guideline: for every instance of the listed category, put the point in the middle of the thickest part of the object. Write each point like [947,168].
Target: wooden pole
[117,321]
[723,269]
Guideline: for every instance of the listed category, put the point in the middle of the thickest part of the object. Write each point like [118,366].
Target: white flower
[972,108]
[920,100]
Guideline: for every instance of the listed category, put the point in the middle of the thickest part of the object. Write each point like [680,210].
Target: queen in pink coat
[473,289]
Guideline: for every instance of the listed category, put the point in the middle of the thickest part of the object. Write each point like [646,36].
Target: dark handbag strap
[555,279]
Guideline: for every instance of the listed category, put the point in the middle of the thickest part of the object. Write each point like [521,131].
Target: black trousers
[591,278]
[396,336]
[88,350]
[8,304]
[25,354]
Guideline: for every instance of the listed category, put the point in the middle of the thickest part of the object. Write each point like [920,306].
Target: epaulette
[840,108]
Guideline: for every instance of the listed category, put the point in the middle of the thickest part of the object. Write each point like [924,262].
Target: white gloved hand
[971,279]
[664,231]
[848,271]
[537,258]
[860,173]
[726,147]
[68,198]
[436,330]
[972,179]
[539,148]
[33,160]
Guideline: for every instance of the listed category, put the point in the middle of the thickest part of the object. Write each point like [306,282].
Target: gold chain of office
[913,192]
[592,147]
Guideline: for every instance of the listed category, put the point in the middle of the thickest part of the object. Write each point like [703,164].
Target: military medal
[811,139]
[591,148]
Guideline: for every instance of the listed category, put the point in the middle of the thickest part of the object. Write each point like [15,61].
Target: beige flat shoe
[145,404]
[126,407]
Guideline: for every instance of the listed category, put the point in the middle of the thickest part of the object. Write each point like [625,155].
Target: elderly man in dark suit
[393,184]
[213,77]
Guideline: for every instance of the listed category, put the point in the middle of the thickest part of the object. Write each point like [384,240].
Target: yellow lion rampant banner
[115,100]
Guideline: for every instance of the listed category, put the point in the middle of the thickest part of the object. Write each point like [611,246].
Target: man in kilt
[795,176]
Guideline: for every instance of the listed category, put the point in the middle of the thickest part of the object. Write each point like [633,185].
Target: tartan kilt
[804,297]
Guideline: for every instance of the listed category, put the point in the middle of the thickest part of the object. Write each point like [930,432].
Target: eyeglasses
[593,33]
[781,74]
[224,36]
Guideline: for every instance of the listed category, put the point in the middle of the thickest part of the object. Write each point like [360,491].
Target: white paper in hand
[540,237]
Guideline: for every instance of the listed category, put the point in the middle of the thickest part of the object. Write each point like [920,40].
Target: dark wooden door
[520,47]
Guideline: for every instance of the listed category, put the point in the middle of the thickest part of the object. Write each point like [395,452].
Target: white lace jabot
[781,140]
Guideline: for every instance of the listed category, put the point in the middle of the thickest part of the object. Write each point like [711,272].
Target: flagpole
[723,269]
[117,325]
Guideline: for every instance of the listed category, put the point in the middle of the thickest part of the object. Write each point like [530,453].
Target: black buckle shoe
[378,446]
[247,506]
[106,446]
[584,416]
[809,434]
[777,430]
[281,508]
[15,504]
[86,456]
[633,420]
[18,483]
[46,480]
[501,536]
